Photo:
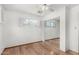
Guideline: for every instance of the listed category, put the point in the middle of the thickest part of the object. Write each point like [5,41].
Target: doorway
[52,34]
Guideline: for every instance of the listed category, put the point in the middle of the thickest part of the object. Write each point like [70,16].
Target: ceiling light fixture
[43,8]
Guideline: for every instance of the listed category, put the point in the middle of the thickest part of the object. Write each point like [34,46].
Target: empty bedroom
[39,29]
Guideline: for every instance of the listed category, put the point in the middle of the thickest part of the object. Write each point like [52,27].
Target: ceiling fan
[45,8]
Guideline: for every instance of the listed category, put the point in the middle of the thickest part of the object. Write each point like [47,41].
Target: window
[50,23]
[26,21]
[31,22]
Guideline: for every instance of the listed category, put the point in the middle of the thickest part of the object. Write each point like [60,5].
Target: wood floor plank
[49,47]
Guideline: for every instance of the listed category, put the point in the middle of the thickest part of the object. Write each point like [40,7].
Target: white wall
[1,30]
[1,40]
[17,35]
[63,29]
[14,34]
[53,32]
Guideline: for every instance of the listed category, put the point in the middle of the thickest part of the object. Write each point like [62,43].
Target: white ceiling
[32,8]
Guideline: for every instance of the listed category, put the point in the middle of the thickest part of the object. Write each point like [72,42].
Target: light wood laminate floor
[49,47]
